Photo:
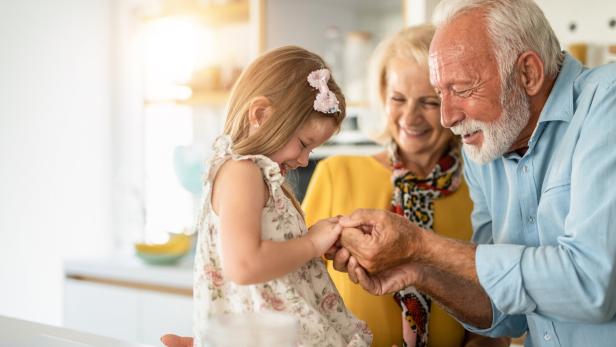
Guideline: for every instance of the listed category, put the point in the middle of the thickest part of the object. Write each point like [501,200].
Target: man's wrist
[419,245]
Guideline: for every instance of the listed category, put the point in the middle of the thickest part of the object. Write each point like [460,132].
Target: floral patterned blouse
[308,293]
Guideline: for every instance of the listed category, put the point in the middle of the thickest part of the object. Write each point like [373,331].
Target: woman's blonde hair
[281,76]
[411,43]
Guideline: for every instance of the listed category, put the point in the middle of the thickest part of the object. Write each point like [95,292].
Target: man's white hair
[514,26]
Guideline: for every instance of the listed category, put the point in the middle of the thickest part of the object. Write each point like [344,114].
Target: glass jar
[251,329]
[358,50]
[333,54]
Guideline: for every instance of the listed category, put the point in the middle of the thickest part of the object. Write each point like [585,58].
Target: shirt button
[525,168]
[547,336]
[531,220]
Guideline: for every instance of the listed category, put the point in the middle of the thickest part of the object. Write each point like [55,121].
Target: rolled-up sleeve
[502,325]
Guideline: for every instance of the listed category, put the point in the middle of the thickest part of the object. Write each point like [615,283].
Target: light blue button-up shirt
[546,221]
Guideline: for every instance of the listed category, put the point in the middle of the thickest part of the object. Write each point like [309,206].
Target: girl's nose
[303,159]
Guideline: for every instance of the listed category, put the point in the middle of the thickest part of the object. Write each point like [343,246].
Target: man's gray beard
[498,136]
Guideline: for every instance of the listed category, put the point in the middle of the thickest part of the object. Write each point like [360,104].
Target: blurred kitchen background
[107,109]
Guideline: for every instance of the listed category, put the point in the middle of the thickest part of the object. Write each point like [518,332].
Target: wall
[128,125]
[304,22]
[591,18]
[55,143]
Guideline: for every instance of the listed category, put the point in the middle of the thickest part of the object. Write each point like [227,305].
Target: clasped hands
[379,250]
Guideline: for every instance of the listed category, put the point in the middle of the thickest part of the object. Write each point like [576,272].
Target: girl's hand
[324,234]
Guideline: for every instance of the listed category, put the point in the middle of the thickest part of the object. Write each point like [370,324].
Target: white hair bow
[326,100]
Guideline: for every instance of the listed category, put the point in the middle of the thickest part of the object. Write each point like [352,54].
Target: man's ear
[531,73]
[259,111]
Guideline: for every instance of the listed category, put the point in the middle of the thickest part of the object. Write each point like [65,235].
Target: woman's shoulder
[352,171]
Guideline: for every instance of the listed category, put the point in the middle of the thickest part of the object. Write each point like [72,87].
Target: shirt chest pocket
[552,211]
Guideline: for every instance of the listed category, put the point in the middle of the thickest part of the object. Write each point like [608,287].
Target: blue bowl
[160,259]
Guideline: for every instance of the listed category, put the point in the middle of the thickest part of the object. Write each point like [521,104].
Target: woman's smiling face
[413,109]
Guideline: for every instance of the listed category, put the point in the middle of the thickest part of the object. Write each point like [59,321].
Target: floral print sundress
[308,293]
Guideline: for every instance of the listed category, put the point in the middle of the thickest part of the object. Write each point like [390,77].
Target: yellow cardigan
[342,184]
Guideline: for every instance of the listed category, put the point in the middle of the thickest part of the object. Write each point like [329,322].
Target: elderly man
[540,132]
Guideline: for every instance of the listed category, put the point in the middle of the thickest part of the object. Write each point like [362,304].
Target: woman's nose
[410,112]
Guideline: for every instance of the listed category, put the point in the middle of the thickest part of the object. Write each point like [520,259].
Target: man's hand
[340,257]
[386,281]
[380,240]
[171,340]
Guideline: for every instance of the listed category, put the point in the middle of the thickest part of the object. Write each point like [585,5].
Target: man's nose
[450,115]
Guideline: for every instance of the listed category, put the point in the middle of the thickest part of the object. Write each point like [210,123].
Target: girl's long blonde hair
[281,76]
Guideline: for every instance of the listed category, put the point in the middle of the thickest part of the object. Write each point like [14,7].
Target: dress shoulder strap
[222,152]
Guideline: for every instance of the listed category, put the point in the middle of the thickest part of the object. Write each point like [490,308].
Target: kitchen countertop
[19,333]
[128,268]
[124,268]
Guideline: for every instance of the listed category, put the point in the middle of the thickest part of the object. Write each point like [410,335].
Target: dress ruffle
[223,151]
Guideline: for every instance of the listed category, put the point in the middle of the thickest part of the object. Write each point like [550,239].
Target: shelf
[235,12]
[211,98]
[215,14]
[357,104]
[345,149]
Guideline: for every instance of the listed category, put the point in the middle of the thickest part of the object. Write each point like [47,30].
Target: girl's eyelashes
[305,146]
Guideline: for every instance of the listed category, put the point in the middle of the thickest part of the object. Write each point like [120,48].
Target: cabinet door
[101,309]
[165,313]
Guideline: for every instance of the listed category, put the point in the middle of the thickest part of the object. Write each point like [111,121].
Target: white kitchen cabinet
[128,300]
[101,309]
[163,313]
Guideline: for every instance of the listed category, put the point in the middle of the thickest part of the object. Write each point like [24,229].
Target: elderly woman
[419,175]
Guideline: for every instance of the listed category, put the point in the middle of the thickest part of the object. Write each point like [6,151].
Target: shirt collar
[559,106]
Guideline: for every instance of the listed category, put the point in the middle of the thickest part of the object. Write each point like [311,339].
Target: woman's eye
[303,144]
[432,103]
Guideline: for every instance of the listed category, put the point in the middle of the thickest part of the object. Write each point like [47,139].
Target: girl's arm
[239,195]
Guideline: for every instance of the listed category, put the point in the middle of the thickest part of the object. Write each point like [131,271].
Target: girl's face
[312,134]
[413,109]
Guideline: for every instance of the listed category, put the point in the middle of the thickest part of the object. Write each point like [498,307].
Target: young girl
[254,252]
